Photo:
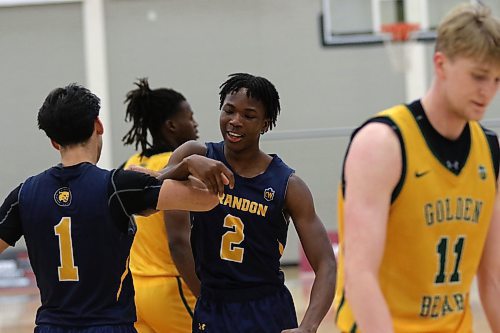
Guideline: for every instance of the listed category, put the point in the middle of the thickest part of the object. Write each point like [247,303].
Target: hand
[214,174]
[137,168]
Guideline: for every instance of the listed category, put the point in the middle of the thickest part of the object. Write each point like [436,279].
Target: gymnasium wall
[191,46]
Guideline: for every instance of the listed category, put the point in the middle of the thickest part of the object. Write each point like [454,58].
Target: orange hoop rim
[400,31]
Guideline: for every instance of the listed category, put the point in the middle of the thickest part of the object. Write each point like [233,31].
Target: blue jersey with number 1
[78,231]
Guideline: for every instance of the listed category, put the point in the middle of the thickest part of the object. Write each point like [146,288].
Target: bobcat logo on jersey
[62,197]
[269,194]
[482,172]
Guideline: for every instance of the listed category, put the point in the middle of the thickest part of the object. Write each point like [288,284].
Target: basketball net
[398,43]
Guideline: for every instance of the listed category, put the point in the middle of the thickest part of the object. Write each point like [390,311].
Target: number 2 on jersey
[67,271]
[229,249]
[442,249]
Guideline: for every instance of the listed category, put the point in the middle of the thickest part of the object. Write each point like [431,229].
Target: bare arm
[319,252]
[189,159]
[190,195]
[3,245]
[489,271]
[372,170]
[178,231]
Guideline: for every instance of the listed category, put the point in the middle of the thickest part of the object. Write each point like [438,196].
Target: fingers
[224,177]
[213,173]
[196,183]
[227,176]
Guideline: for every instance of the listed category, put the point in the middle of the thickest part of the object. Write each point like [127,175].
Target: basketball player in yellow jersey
[164,302]
[419,212]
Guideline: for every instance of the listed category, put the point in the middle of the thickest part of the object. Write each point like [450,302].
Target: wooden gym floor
[18,307]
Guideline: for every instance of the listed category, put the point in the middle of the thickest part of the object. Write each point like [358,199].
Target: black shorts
[270,314]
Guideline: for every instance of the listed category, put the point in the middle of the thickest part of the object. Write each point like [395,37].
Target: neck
[76,154]
[248,163]
[166,145]
[441,114]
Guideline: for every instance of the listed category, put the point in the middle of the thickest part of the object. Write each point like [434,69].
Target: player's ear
[55,145]
[439,60]
[265,127]
[170,125]
[98,126]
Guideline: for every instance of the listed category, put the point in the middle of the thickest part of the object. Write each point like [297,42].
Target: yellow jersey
[435,235]
[150,254]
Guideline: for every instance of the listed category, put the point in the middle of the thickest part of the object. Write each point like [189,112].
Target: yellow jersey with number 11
[435,235]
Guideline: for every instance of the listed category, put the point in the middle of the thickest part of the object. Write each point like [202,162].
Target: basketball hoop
[396,43]
[400,31]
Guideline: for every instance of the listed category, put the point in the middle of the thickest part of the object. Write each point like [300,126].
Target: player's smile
[233,136]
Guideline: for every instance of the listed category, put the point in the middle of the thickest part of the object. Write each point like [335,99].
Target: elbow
[327,268]
[330,268]
[177,246]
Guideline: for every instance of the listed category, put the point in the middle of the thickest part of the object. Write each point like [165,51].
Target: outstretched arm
[179,231]
[372,170]
[318,249]
[189,159]
[189,195]
[489,271]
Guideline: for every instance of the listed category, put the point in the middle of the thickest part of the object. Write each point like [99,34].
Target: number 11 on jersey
[67,271]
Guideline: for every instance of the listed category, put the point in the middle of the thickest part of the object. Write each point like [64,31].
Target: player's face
[186,126]
[470,86]
[242,120]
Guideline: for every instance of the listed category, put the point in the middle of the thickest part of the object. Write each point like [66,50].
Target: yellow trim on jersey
[281,248]
[150,254]
[435,235]
[124,275]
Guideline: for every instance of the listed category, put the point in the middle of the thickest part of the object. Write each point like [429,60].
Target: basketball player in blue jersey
[419,206]
[237,246]
[77,221]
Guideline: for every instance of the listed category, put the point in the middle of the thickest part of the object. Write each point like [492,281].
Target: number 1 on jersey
[67,271]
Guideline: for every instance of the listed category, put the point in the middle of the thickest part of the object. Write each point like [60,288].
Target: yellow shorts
[164,304]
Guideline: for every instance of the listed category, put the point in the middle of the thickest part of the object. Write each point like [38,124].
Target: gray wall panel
[191,46]
[40,48]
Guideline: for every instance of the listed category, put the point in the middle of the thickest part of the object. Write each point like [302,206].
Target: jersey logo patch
[269,194]
[482,172]
[62,197]
[421,174]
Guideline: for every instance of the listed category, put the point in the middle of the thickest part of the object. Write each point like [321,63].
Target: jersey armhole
[494,148]
[388,121]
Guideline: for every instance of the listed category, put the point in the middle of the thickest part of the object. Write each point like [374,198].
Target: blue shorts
[90,329]
[270,314]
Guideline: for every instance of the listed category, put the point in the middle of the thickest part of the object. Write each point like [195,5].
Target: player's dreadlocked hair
[258,88]
[148,110]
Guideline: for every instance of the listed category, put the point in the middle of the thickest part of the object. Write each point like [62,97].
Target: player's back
[150,254]
[78,250]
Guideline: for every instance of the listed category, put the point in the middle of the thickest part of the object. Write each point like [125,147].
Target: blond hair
[470,30]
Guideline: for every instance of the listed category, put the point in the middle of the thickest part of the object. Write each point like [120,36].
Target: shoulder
[191,148]
[378,132]
[127,179]
[297,191]
[374,155]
